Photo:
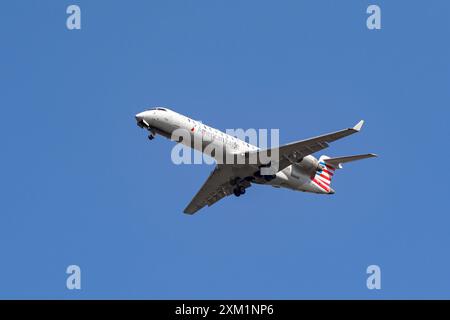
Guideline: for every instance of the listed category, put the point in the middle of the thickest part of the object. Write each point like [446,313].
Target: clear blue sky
[81,184]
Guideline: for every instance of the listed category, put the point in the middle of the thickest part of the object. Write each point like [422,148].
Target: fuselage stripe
[321,185]
[328,172]
[323,176]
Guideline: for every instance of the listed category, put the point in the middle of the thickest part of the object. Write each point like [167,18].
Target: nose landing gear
[152,134]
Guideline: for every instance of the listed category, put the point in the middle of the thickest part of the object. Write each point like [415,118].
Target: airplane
[297,168]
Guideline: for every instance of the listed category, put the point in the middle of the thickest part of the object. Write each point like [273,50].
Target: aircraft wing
[218,186]
[294,152]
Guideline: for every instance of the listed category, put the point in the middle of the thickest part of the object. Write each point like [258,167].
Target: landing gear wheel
[151,137]
[238,191]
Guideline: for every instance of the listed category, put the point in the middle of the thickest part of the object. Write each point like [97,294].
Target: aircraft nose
[139,117]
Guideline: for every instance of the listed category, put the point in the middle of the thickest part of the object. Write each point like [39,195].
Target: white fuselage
[164,122]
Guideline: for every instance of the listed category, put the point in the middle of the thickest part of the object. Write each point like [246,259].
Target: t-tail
[327,168]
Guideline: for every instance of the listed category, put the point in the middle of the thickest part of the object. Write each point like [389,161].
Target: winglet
[358,126]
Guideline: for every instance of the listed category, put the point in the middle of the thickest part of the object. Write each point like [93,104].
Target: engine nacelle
[307,167]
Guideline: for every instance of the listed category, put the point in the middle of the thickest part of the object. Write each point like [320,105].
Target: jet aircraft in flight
[296,168]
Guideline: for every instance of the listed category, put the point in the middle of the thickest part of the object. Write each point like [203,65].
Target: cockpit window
[157,108]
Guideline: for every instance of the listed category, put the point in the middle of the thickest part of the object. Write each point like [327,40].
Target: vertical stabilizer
[324,175]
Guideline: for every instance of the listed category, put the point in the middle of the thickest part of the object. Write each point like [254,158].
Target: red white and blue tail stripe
[323,176]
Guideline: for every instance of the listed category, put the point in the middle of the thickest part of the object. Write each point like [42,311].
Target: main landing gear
[238,191]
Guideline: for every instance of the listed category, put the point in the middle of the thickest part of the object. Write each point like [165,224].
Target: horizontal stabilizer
[336,162]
